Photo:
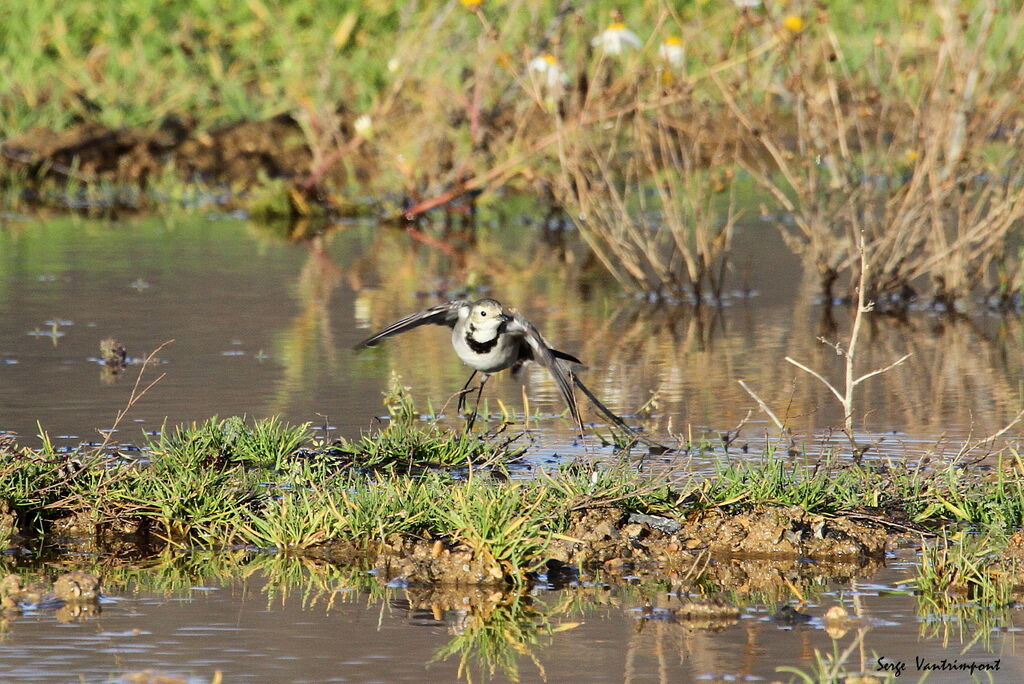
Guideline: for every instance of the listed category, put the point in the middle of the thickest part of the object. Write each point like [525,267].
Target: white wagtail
[489,340]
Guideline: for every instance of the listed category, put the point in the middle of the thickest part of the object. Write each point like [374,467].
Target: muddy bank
[267,167]
[239,156]
[750,549]
[747,550]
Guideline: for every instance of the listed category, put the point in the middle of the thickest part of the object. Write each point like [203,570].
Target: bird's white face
[486,315]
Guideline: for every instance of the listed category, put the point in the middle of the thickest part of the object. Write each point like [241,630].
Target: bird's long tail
[615,420]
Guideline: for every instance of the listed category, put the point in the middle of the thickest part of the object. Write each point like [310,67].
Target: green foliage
[506,524]
[267,443]
[187,496]
[297,518]
[408,444]
[771,480]
[132,63]
[231,481]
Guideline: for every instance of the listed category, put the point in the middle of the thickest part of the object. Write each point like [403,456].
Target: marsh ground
[683,195]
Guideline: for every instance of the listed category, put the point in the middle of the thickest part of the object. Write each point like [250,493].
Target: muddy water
[263,326]
[289,623]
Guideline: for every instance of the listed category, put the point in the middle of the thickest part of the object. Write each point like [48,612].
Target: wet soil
[238,155]
[762,546]
[74,594]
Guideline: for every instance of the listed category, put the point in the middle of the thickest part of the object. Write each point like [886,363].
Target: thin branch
[820,377]
[882,370]
[135,396]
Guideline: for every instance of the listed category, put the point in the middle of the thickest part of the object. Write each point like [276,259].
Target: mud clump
[610,537]
[77,586]
[73,595]
[758,549]
[787,531]
[91,151]
[275,148]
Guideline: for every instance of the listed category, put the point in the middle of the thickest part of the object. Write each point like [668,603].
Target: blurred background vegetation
[888,128]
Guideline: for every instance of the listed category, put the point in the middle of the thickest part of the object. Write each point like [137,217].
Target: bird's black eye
[483,313]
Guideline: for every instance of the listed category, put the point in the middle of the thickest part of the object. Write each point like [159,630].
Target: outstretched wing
[547,357]
[441,314]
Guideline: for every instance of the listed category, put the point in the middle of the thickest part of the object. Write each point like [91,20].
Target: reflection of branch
[430,241]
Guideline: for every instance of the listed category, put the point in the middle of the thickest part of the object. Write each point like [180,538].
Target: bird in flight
[488,339]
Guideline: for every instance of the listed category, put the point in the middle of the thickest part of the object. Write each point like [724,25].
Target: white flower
[363,125]
[672,51]
[393,64]
[547,68]
[616,39]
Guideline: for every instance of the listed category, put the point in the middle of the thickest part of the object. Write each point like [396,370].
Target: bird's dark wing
[545,356]
[441,314]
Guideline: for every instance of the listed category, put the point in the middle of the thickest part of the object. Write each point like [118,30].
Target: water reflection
[275,616]
[264,325]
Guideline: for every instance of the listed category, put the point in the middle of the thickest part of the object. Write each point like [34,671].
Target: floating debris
[113,352]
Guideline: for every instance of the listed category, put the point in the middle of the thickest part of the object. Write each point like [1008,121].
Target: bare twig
[850,353]
[135,396]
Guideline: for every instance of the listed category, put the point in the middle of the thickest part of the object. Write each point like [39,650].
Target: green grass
[267,484]
[133,63]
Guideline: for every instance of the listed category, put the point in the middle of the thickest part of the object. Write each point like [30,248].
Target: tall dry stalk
[918,151]
[648,205]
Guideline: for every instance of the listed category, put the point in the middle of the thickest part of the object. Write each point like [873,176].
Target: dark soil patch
[238,155]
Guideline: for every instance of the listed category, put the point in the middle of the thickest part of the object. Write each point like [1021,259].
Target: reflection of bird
[488,340]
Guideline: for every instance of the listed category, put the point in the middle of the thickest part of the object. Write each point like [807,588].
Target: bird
[490,339]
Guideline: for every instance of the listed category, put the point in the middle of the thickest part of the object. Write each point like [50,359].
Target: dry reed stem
[850,353]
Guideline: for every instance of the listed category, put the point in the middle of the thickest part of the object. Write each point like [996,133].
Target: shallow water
[286,622]
[262,326]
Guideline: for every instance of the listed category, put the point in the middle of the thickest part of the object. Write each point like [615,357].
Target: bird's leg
[472,416]
[463,392]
